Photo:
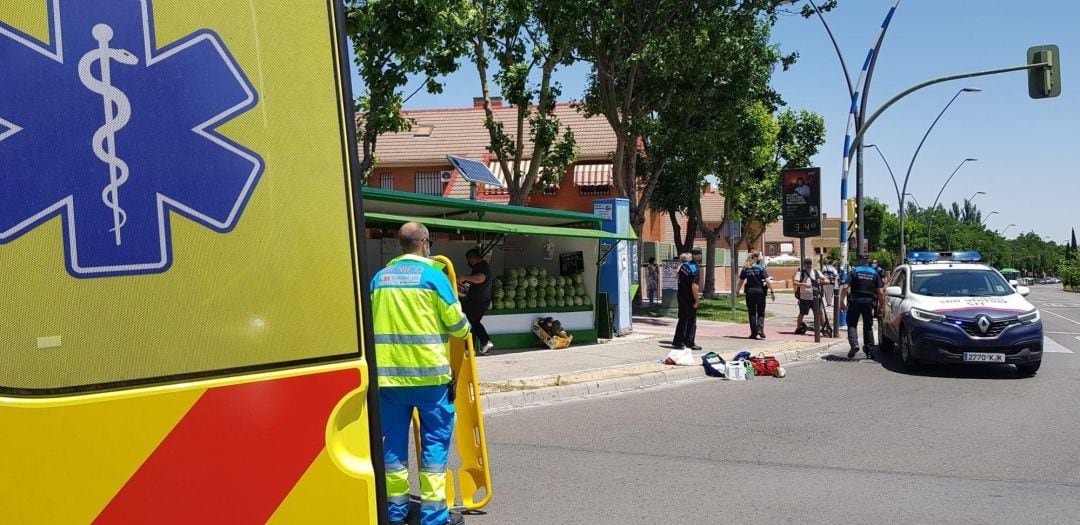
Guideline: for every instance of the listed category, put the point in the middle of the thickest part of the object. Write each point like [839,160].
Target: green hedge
[1070,274]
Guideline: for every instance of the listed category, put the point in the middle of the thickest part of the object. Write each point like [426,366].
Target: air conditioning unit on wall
[445,176]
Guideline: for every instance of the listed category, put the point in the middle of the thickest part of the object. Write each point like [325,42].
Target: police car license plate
[978,357]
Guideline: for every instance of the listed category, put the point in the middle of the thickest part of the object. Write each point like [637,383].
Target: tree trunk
[683,243]
[710,243]
[710,264]
[709,291]
[676,232]
[367,159]
[544,108]
[750,236]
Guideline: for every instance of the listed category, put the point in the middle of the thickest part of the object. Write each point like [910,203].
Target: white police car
[943,307]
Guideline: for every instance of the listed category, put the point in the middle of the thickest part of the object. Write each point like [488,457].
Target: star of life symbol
[112,134]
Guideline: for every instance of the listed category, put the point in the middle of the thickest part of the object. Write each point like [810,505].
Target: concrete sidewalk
[518,378]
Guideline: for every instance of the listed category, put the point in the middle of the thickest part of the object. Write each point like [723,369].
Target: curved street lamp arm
[855,120]
[930,215]
[923,141]
[843,65]
[862,131]
[899,198]
[913,199]
[936,199]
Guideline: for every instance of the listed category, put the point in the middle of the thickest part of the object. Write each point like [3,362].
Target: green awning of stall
[373,218]
[405,203]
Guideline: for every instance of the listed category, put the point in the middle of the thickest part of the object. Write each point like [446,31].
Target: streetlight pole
[856,117]
[917,207]
[983,223]
[1047,67]
[1006,229]
[896,186]
[973,195]
[930,215]
[903,189]
[913,199]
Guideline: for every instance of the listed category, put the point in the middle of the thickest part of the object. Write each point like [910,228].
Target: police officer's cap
[864,257]
[696,251]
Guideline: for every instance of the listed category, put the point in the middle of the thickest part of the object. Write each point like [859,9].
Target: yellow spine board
[474,476]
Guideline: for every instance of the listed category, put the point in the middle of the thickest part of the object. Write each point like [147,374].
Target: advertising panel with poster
[802,202]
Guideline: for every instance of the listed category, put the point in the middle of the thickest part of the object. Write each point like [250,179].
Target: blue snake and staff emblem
[117,113]
[118,137]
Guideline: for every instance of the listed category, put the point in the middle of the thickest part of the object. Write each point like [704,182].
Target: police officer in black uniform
[756,279]
[689,299]
[862,290]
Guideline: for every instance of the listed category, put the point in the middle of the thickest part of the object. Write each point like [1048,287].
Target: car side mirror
[1023,290]
[894,291]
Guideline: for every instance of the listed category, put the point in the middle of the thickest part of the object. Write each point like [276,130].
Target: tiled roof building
[416,161]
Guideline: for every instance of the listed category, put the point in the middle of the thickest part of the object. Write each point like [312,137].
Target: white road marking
[1059,315]
[1061,333]
[1049,345]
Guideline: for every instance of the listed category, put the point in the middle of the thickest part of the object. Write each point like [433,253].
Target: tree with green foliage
[874,213]
[678,192]
[522,38]
[950,231]
[966,214]
[747,151]
[426,39]
[1034,256]
[654,62]
[799,136]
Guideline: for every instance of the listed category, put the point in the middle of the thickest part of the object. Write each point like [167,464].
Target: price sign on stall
[571,263]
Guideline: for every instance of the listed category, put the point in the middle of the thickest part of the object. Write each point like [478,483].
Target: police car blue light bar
[929,257]
[968,256]
[922,257]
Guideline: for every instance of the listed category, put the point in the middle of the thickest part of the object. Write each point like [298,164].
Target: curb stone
[499,401]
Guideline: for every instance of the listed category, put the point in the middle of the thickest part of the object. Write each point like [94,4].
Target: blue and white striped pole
[851,128]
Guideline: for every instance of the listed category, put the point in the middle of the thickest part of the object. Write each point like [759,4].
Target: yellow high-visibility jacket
[415,311]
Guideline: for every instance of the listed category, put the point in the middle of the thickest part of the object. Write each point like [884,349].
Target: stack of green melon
[532,287]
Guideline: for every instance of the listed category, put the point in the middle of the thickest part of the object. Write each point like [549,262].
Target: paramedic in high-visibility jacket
[416,311]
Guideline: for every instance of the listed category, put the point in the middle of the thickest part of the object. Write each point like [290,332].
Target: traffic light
[1044,81]
[852,216]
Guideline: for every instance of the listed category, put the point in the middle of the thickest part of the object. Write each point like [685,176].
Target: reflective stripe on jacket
[415,311]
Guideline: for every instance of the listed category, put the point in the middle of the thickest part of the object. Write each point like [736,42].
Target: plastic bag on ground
[681,357]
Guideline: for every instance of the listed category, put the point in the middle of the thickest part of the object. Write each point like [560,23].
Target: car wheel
[905,350]
[1029,369]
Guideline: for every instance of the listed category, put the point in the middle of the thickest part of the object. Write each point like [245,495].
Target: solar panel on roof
[476,172]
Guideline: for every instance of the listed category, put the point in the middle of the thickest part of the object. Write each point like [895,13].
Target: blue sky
[1022,144]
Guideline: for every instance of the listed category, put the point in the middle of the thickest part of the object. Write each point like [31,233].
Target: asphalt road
[836,441]
[1060,312]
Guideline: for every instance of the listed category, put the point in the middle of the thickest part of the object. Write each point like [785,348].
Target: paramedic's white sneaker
[486,348]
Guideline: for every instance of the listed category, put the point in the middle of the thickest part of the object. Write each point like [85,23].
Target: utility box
[620,269]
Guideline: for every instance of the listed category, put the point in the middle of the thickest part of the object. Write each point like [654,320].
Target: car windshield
[960,283]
